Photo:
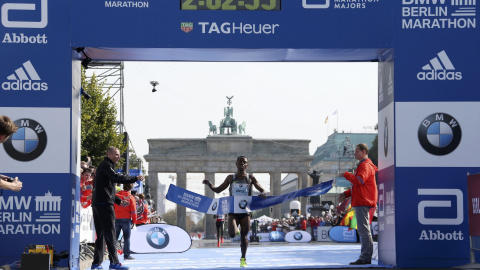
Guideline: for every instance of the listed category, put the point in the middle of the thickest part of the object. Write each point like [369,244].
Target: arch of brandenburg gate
[218,153]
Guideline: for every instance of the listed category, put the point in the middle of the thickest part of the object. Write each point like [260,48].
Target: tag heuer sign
[187,26]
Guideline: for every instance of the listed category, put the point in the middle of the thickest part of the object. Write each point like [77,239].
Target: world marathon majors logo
[158,238]
[345,4]
[439,134]
[28,143]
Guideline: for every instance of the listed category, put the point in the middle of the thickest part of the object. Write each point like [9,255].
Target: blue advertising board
[427,52]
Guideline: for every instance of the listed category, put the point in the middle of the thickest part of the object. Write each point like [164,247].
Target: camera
[10,179]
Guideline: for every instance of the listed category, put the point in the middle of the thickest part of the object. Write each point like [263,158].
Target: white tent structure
[264,219]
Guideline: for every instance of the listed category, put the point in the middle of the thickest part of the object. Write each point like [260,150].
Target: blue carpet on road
[258,257]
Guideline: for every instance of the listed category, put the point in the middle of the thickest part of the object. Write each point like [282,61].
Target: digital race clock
[230,4]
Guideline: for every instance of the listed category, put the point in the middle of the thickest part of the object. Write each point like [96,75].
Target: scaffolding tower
[111,73]
[112,76]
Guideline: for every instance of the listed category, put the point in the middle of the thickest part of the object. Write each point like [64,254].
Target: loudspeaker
[314,199]
[35,261]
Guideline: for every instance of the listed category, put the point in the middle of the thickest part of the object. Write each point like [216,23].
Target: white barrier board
[159,238]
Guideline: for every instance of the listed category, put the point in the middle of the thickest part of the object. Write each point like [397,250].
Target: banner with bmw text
[238,204]
[436,118]
[36,93]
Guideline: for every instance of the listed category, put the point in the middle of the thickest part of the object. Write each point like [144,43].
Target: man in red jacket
[364,199]
[125,217]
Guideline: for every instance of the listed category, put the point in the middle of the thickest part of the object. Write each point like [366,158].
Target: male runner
[239,184]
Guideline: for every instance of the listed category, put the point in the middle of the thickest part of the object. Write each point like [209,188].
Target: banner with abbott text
[238,204]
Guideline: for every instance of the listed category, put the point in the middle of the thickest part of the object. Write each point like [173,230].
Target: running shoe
[96,266]
[218,244]
[243,262]
[117,266]
[222,240]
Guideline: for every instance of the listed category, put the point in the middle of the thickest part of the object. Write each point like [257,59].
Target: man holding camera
[7,128]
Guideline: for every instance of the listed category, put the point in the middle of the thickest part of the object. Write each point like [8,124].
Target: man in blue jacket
[103,197]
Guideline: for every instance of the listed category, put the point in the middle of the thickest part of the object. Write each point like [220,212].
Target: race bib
[240,189]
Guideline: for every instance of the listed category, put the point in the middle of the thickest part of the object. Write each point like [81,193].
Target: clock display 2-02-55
[230,4]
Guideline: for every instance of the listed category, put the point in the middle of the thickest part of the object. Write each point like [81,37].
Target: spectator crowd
[301,223]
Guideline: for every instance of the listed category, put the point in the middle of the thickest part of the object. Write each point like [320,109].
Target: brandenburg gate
[218,154]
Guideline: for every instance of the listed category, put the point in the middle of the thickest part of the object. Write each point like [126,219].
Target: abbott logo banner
[440,203]
[9,8]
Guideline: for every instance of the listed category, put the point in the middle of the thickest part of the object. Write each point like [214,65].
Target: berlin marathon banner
[238,204]
[439,14]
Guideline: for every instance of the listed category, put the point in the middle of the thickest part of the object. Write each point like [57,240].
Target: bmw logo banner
[159,238]
[238,204]
[298,237]
[437,134]
[41,140]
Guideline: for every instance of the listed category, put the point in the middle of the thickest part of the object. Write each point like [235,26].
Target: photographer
[7,128]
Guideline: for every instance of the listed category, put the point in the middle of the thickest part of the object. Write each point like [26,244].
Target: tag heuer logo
[186,26]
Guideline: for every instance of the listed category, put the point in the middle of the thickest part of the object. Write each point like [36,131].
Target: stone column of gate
[276,189]
[153,186]
[182,210]
[303,183]
[209,223]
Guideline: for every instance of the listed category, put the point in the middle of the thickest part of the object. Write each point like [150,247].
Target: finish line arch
[426,51]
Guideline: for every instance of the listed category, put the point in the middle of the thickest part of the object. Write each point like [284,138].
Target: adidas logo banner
[439,68]
[25,78]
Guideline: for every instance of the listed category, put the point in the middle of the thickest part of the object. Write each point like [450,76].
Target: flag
[353,222]
[326,120]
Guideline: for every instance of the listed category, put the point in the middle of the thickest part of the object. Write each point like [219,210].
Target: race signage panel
[41,145]
[342,234]
[298,237]
[322,234]
[436,214]
[437,134]
[159,238]
[277,236]
[474,204]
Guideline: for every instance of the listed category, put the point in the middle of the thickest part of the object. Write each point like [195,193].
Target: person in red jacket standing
[142,210]
[364,199]
[86,186]
[126,215]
